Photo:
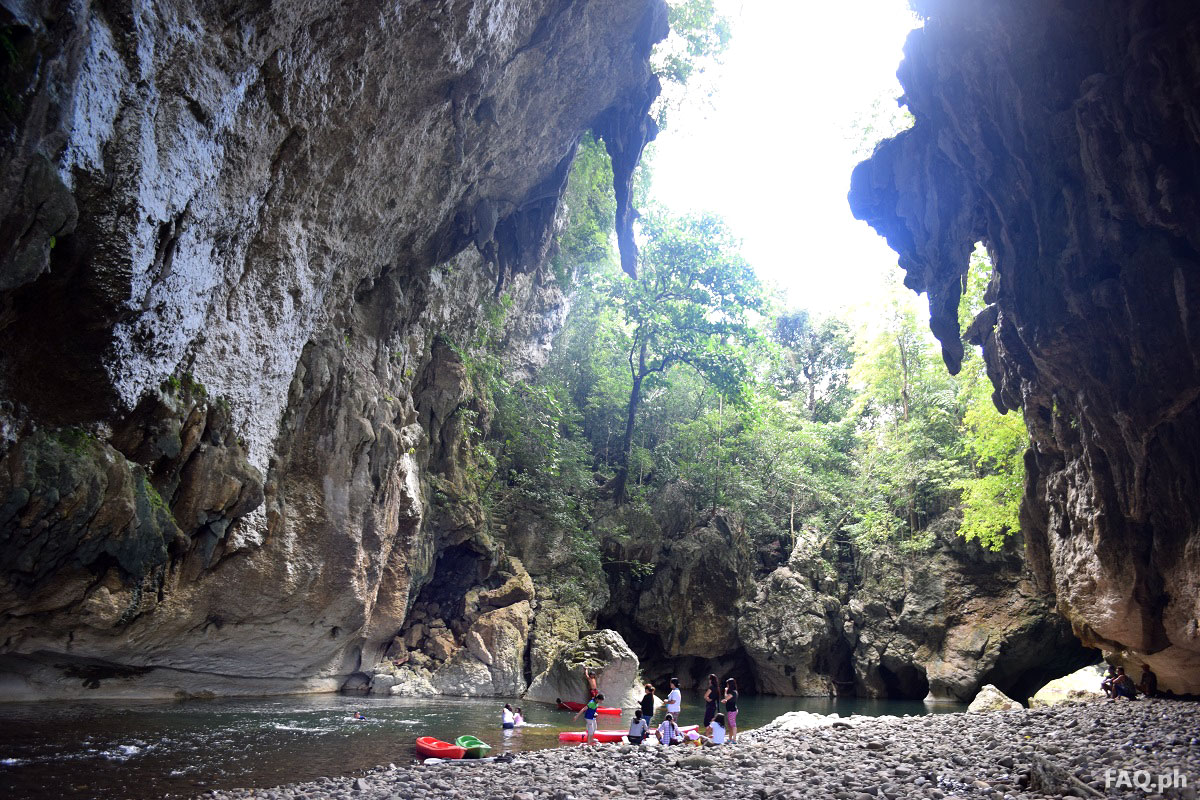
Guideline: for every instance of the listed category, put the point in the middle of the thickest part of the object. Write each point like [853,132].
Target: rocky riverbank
[1098,749]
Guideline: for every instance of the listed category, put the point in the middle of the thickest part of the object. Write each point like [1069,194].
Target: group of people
[1118,684]
[511,718]
[719,726]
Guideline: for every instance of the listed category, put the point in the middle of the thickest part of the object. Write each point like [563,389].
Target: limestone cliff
[1065,137]
[239,244]
[934,624]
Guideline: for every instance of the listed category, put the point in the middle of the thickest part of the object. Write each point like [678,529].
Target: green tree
[815,362]
[586,241]
[692,304]
[995,443]
[909,411]
[699,37]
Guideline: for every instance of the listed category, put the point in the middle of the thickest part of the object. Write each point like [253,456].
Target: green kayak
[474,747]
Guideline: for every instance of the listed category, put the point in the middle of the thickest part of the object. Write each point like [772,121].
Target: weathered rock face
[946,622]
[935,625]
[1081,175]
[234,243]
[791,627]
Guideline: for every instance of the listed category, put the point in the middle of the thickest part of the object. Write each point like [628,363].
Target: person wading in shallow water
[712,695]
[731,698]
[589,717]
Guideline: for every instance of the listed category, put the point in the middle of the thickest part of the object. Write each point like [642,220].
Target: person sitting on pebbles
[639,729]
[716,730]
[1122,685]
[668,731]
[1106,685]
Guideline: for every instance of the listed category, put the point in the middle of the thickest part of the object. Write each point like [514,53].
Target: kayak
[601,736]
[474,747]
[566,705]
[429,747]
[609,736]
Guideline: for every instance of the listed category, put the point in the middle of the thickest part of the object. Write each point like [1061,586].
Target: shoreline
[1096,749]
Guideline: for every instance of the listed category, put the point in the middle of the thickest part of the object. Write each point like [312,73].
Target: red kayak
[609,736]
[566,705]
[429,747]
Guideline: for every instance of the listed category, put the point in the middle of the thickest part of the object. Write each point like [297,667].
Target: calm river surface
[156,750]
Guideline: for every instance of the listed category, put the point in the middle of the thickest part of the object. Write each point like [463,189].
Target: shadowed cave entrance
[658,668]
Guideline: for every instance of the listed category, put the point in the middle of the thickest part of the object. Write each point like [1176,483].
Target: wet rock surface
[1064,752]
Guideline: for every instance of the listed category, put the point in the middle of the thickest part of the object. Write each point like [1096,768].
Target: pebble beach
[1147,749]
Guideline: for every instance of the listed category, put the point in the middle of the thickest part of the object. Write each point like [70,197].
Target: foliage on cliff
[685,378]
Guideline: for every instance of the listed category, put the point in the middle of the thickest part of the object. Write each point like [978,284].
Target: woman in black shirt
[731,696]
[711,696]
[648,702]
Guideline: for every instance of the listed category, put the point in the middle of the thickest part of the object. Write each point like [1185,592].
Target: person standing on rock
[674,700]
[589,678]
[712,695]
[648,701]
[731,698]
[589,717]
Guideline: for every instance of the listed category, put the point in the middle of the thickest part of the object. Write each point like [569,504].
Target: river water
[156,750]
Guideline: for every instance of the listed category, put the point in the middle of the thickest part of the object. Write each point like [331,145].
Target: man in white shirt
[674,700]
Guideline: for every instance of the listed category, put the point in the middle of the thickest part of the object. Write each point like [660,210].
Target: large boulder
[492,662]
[992,699]
[555,627]
[1083,684]
[606,653]
[412,682]
[517,586]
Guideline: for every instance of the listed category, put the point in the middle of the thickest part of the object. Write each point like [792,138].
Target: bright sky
[773,151]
